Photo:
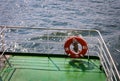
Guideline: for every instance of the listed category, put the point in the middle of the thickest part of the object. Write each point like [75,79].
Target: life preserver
[72,53]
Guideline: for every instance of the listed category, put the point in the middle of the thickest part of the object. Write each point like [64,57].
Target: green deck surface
[28,68]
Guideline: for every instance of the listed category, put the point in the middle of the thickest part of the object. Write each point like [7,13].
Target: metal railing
[3,47]
[2,41]
[108,62]
[51,41]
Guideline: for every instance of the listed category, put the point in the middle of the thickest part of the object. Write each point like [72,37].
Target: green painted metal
[29,68]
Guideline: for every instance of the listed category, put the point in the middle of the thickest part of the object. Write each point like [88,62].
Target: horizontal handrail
[50,28]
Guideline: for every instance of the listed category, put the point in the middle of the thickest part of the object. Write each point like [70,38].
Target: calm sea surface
[103,15]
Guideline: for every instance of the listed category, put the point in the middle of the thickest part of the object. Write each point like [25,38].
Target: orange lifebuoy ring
[72,53]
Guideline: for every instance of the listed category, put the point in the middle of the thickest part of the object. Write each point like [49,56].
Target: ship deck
[52,68]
